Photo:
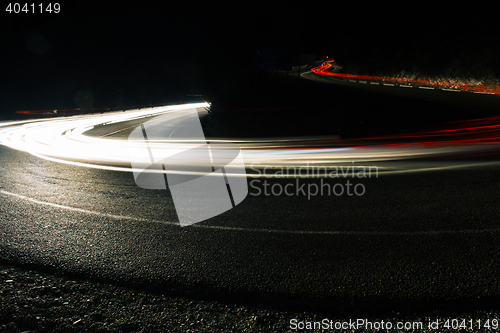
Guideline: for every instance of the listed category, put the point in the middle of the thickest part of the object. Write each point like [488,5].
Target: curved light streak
[66,140]
[490,88]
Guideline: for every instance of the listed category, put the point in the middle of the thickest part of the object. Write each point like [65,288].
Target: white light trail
[65,140]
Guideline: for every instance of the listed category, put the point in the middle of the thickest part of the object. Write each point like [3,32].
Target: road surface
[422,231]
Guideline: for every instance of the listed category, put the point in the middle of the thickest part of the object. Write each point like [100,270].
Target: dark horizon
[89,57]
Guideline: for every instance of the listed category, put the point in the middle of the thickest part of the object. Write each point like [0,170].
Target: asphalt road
[426,239]
[472,100]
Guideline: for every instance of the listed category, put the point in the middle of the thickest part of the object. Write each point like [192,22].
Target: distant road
[481,96]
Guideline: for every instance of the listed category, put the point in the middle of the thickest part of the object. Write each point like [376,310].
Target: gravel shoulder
[35,301]
[43,301]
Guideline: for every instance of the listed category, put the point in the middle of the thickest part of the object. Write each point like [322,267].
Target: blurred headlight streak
[65,140]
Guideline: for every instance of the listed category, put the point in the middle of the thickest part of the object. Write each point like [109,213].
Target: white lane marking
[455,90]
[362,81]
[405,86]
[374,83]
[389,84]
[300,232]
[352,80]
[79,210]
[422,87]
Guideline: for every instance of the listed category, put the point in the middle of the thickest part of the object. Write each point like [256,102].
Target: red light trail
[490,88]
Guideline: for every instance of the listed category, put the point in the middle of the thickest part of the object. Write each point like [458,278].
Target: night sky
[99,56]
